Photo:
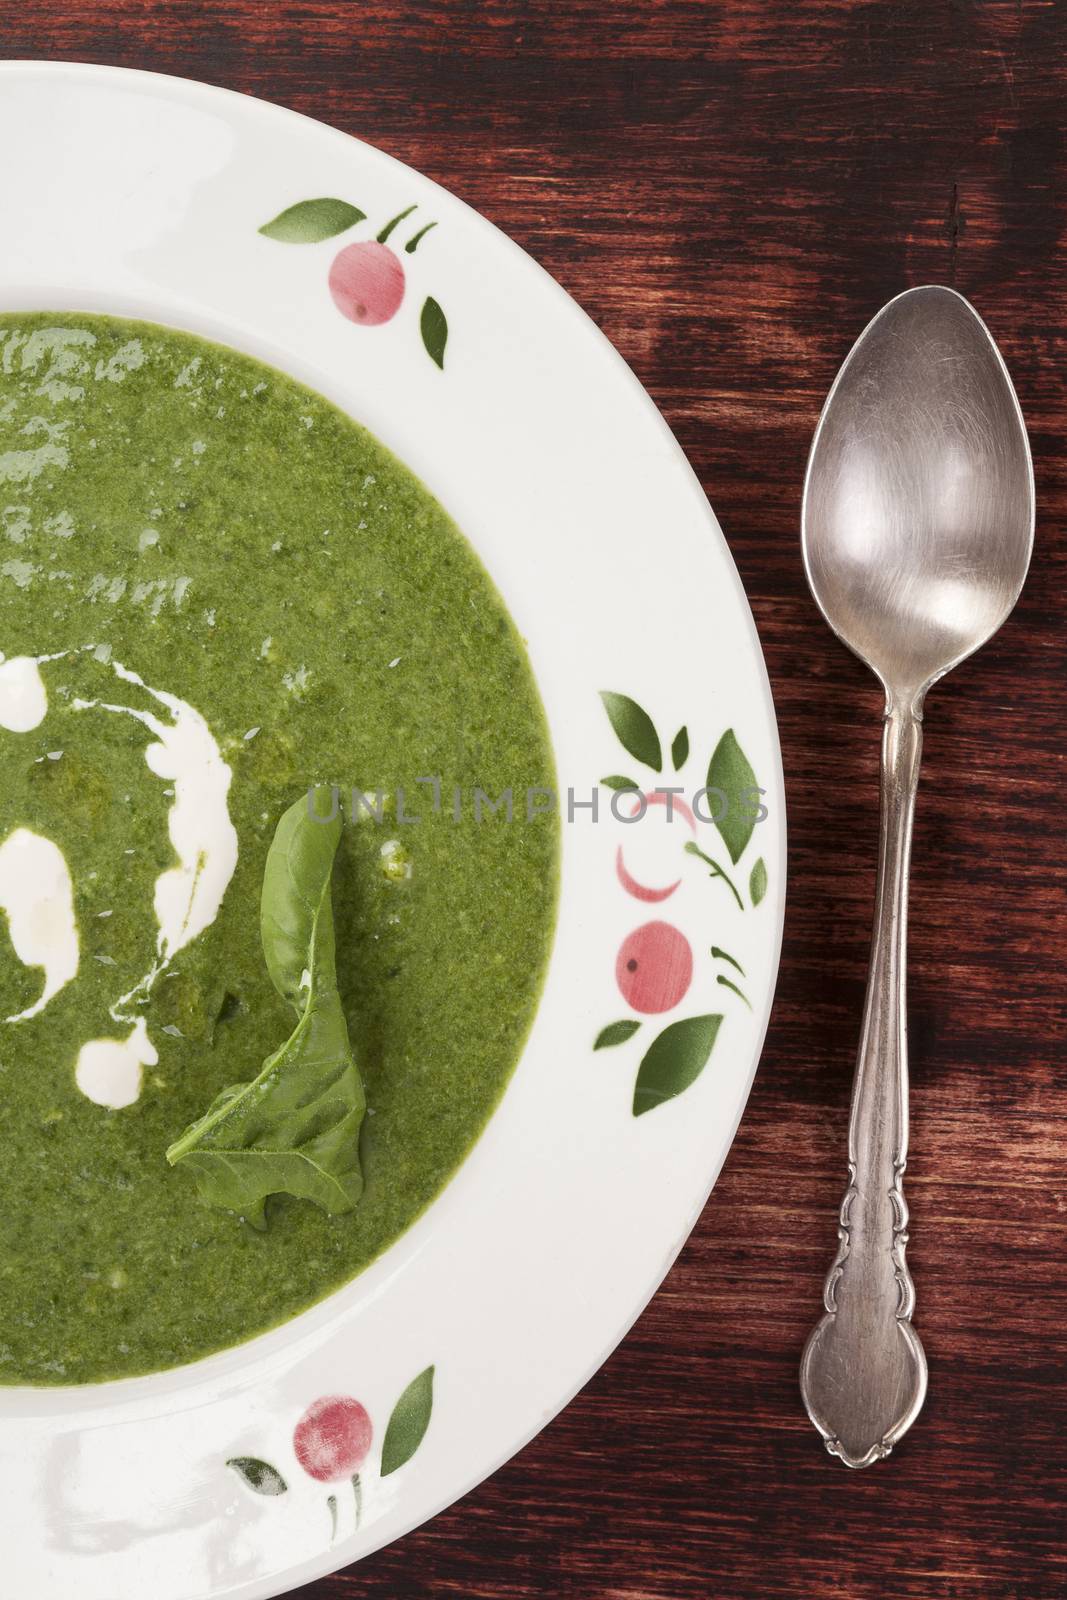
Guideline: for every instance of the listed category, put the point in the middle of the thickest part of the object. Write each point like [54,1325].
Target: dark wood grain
[731,189]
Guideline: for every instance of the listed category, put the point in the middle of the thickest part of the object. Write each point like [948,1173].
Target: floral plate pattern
[332,1441]
[654,966]
[248,1474]
[367,280]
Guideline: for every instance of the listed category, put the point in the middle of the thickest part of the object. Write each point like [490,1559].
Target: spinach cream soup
[215,592]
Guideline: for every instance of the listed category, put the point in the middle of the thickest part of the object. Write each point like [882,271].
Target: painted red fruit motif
[332,1438]
[654,967]
[367,282]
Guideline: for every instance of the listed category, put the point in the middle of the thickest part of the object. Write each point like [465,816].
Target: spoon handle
[863,1372]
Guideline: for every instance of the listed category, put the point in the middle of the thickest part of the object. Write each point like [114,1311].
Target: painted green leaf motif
[260,1476]
[634,728]
[408,1423]
[413,243]
[680,748]
[391,224]
[434,329]
[757,881]
[674,1060]
[730,773]
[311,220]
[616,1033]
[724,955]
[295,1128]
[728,983]
[615,780]
[692,849]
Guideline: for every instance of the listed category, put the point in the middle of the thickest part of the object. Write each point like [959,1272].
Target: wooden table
[731,189]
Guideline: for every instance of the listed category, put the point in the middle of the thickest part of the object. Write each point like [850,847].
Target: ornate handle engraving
[863,1373]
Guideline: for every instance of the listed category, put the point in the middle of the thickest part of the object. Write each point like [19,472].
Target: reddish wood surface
[731,189]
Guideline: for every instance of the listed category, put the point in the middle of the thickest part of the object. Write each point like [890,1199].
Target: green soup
[173,510]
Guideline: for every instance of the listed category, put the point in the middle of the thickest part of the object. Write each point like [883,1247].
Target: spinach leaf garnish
[295,1128]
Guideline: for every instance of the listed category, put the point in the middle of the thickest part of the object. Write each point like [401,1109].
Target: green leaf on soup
[309,221]
[259,1476]
[634,728]
[408,1423]
[295,1128]
[757,881]
[680,748]
[674,1060]
[433,326]
[731,775]
[616,1033]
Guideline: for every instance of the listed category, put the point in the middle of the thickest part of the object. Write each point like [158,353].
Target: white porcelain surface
[143,196]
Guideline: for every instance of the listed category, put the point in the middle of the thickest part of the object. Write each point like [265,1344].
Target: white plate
[144,195]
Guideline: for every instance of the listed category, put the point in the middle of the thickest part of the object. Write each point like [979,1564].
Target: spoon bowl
[918,512]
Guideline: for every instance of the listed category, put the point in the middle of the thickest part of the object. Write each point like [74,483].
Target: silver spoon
[917,528]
